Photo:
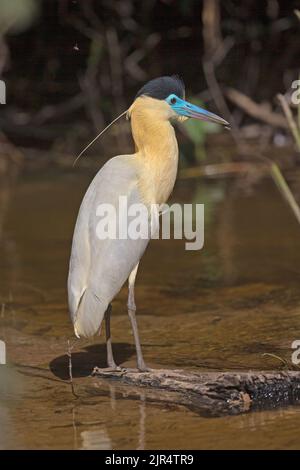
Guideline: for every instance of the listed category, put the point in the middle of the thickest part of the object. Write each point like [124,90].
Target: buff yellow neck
[156,148]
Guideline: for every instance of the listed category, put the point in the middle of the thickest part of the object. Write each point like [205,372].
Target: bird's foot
[107,370]
[143,368]
[122,370]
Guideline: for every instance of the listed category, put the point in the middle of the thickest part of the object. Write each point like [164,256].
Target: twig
[89,83]
[298,106]
[4,54]
[220,169]
[290,119]
[257,111]
[69,352]
[211,19]
[297,13]
[215,52]
[216,92]
[283,361]
[116,71]
[132,61]
[74,429]
[283,187]
[57,111]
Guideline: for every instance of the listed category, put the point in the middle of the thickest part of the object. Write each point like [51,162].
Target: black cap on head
[160,88]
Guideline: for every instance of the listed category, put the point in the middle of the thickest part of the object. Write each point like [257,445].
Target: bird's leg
[131,313]
[111,365]
[110,358]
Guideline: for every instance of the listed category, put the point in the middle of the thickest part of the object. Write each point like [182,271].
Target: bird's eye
[173,100]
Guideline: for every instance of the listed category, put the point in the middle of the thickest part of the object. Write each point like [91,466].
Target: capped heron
[99,268]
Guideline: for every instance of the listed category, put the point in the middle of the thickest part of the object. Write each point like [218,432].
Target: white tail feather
[89,315]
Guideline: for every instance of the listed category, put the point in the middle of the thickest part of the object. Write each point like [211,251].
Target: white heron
[100,267]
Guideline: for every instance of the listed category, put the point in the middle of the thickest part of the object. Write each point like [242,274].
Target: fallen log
[214,393]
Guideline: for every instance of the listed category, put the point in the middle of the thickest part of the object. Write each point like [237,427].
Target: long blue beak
[184,108]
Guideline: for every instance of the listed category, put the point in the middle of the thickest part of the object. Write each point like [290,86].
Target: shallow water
[217,309]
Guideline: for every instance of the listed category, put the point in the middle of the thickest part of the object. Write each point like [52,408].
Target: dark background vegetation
[70,66]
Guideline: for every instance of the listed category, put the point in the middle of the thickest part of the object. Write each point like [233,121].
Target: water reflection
[11,386]
[88,415]
[142,423]
[99,439]
[95,440]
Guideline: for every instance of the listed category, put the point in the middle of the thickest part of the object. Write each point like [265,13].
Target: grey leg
[111,365]
[131,313]
[110,358]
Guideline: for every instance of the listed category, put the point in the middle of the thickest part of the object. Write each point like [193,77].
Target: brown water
[217,309]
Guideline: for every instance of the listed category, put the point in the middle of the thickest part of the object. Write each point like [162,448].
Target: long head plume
[99,135]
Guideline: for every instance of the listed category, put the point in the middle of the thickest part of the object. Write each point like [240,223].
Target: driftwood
[214,393]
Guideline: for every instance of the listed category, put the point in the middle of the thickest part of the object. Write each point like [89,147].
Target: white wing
[99,268]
